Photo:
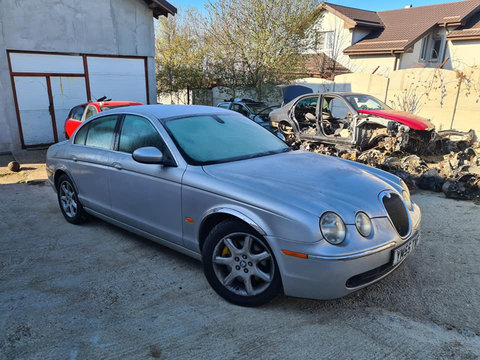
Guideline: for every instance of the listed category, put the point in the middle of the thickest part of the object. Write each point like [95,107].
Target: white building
[55,54]
[443,35]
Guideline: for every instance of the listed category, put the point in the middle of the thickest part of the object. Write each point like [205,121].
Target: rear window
[76,113]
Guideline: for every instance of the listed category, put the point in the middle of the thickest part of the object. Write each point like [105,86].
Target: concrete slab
[95,291]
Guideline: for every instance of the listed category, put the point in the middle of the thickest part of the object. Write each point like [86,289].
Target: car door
[90,162]
[337,120]
[145,196]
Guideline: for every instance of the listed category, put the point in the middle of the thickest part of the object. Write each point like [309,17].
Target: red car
[81,112]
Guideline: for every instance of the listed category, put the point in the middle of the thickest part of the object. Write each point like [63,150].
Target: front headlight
[333,228]
[406,195]
[363,224]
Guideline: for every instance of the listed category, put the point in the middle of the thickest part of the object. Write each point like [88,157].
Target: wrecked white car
[345,118]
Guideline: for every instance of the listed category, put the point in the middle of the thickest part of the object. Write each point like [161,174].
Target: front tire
[71,208]
[239,264]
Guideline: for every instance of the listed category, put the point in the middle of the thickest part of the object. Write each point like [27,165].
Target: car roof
[169,111]
[115,103]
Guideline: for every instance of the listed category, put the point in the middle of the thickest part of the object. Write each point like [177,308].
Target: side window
[100,133]
[338,109]
[240,109]
[137,132]
[309,103]
[81,135]
[77,112]
[224,105]
[91,110]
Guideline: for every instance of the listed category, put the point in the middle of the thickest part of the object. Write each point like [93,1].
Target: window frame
[428,44]
[84,117]
[73,110]
[88,124]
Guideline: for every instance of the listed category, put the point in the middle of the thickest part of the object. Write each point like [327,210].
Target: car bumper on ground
[329,277]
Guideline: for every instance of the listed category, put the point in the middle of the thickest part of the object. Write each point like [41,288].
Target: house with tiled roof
[443,35]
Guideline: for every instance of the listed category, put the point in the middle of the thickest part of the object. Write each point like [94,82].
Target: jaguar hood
[315,183]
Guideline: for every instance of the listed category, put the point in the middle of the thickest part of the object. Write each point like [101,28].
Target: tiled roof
[403,27]
[356,17]
[469,31]
[320,66]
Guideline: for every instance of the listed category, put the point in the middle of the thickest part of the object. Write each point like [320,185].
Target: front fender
[241,213]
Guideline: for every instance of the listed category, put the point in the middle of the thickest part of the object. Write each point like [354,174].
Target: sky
[375,5]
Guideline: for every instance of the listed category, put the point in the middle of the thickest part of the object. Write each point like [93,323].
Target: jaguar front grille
[397,212]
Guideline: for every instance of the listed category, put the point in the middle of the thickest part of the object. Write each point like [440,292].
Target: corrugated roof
[403,27]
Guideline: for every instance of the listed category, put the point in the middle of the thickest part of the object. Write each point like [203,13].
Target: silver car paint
[282,196]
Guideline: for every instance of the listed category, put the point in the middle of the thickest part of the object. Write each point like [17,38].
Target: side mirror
[148,155]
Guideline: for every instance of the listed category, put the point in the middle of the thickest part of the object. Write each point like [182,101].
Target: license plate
[402,252]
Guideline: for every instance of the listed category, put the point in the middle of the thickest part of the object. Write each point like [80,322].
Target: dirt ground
[98,292]
[32,164]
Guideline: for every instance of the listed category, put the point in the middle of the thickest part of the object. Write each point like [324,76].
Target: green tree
[180,53]
[254,43]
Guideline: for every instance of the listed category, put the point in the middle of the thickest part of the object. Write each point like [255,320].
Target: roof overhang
[161,8]
[349,22]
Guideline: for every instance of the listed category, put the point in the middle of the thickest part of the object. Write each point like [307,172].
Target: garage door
[117,78]
[47,86]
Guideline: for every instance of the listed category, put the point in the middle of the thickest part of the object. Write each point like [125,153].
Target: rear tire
[239,264]
[68,201]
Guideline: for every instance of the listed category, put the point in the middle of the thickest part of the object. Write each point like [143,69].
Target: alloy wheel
[243,264]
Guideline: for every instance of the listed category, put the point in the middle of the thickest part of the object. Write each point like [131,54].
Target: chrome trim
[410,225]
[236,213]
[354,255]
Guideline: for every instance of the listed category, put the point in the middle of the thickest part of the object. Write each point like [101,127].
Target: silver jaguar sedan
[214,185]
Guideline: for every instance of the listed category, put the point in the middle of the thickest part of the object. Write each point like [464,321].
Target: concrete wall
[451,99]
[120,27]
[372,84]
[467,113]
[463,54]
[316,84]
[435,91]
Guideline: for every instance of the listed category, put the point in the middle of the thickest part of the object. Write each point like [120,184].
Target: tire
[68,201]
[239,264]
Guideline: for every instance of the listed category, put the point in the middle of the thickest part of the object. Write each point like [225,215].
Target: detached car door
[145,196]
[90,162]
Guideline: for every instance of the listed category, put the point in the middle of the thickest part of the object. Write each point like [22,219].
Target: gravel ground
[32,168]
[98,292]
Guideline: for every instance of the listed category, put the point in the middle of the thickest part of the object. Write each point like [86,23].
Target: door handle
[74,158]
[117,166]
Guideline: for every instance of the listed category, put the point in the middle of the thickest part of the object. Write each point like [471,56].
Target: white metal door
[117,78]
[33,105]
[67,92]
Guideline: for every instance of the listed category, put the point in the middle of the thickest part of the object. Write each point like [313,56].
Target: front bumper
[326,277]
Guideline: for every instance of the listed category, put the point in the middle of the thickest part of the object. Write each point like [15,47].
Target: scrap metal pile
[447,161]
